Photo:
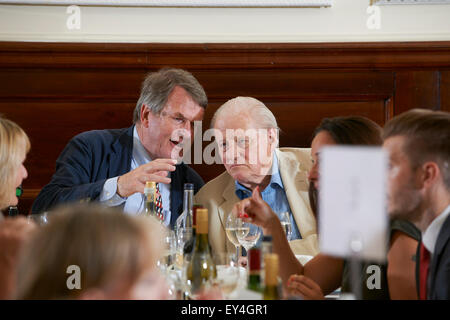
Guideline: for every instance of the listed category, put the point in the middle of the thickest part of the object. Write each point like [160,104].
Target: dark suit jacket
[439,272]
[92,157]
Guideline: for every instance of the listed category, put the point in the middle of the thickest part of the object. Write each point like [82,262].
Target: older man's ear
[273,137]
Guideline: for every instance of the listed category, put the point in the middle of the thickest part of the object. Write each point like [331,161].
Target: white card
[352,202]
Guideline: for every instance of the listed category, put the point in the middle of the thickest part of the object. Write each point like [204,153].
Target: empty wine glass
[39,218]
[170,250]
[231,226]
[285,220]
[182,237]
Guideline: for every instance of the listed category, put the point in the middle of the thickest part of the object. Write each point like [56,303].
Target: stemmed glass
[285,220]
[39,218]
[231,226]
[168,258]
[168,265]
[228,273]
[247,234]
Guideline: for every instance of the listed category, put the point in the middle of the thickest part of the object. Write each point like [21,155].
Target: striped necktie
[159,204]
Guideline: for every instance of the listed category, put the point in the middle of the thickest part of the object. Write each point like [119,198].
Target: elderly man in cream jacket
[247,135]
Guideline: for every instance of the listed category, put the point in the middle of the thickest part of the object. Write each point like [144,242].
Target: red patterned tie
[424,267]
[159,205]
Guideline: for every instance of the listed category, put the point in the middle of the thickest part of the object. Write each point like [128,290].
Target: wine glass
[247,234]
[169,252]
[285,220]
[39,218]
[231,226]
[228,273]
[182,237]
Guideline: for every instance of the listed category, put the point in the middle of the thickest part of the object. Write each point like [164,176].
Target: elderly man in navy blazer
[112,166]
[418,142]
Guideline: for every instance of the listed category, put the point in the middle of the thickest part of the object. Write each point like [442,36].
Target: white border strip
[387,2]
[180,3]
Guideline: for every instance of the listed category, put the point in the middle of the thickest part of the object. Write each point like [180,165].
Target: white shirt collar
[429,237]
[140,155]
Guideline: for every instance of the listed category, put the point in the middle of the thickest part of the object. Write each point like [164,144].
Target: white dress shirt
[134,204]
[430,236]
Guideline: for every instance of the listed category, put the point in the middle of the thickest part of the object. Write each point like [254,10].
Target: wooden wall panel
[417,89]
[56,90]
[50,125]
[445,91]
[73,84]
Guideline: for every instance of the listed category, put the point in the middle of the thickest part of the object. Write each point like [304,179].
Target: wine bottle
[190,244]
[150,199]
[254,266]
[201,268]
[271,288]
[266,247]
[184,222]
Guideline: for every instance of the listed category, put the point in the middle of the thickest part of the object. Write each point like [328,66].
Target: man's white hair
[255,109]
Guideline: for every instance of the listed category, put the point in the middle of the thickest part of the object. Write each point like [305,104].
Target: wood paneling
[417,89]
[444,88]
[388,55]
[56,90]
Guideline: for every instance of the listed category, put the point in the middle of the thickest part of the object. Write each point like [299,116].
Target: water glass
[285,220]
[228,274]
[169,252]
[39,218]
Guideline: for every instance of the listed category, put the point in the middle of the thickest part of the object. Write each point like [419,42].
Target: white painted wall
[346,20]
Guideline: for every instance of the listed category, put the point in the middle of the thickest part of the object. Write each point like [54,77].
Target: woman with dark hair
[324,274]
[352,130]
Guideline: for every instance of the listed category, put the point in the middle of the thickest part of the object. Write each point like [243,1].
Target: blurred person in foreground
[248,149]
[323,274]
[418,142]
[93,252]
[14,146]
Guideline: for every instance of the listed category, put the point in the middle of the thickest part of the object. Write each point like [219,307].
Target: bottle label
[202,221]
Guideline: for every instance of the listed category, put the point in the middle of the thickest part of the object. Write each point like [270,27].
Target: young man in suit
[249,153]
[112,166]
[418,142]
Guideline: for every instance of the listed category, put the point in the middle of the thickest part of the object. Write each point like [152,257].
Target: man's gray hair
[157,87]
[255,109]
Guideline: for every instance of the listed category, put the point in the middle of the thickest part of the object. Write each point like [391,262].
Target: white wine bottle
[271,290]
[150,199]
[201,268]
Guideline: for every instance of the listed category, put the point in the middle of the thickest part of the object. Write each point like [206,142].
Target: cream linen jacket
[219,197]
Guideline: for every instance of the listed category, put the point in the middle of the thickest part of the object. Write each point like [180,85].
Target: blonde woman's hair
[14,143]
[107,245]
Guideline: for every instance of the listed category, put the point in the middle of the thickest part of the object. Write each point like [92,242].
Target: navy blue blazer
[438,282]
[92,157]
